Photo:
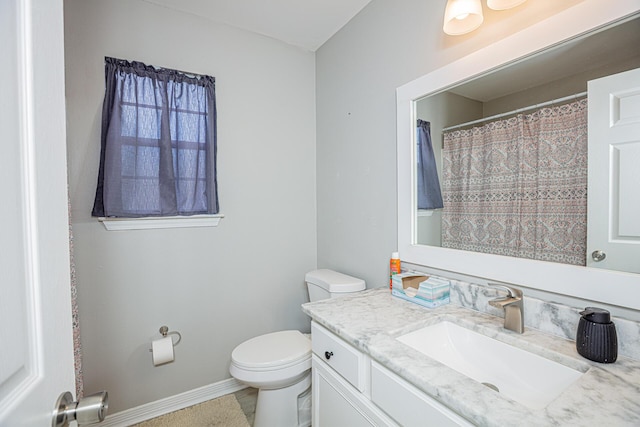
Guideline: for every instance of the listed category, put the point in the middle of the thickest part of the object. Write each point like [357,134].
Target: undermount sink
[520,375]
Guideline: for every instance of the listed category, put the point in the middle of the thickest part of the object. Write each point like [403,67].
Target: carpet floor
[224,411]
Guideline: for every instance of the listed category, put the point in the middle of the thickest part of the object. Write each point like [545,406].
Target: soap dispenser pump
[596,338]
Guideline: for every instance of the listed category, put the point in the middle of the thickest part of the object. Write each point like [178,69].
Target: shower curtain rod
[516,111]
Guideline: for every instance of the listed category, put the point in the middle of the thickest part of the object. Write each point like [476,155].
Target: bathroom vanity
[364,375]
[349,388]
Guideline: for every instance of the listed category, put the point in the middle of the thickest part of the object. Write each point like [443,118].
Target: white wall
[217,286]
[386,45]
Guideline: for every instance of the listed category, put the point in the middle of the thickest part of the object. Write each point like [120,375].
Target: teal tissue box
[428,291]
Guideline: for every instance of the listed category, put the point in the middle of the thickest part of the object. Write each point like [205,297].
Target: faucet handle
[510,290]
[513,305]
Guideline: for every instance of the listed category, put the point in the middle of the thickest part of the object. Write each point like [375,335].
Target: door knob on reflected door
[598,256]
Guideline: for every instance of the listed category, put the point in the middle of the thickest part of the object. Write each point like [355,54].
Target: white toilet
[279,364]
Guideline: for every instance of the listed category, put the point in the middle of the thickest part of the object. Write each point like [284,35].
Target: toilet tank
[324,284]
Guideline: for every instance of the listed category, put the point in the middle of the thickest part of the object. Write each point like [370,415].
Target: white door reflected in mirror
[614,176]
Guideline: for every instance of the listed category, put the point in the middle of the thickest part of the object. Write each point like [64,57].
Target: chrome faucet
[513,307]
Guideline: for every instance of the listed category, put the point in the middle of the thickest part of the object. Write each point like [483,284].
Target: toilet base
[279,407]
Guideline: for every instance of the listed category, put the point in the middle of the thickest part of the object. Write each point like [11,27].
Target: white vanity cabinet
[351,390]
[340,381]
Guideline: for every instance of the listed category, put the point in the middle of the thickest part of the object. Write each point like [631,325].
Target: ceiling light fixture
[462,16]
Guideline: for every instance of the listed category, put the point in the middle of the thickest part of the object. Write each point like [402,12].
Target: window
[158,143]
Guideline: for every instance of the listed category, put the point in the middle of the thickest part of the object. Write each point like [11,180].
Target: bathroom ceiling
[303,23]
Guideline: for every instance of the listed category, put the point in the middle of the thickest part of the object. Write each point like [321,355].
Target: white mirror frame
[606,286]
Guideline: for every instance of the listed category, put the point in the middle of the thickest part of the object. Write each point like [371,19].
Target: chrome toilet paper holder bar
[164,330]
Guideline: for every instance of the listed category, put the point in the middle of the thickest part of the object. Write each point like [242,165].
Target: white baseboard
[172,403]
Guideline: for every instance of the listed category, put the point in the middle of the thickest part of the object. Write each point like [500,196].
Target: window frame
[160,222]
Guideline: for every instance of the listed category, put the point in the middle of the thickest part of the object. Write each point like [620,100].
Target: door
[613,239]
[36,343]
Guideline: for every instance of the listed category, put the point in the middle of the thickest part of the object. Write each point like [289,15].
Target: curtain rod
[516,111]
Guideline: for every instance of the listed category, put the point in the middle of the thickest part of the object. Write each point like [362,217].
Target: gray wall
[385,46]
[217,286]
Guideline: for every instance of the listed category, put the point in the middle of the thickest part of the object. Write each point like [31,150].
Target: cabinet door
[336,403]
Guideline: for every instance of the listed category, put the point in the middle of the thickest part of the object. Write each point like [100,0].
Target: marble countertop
[606,394]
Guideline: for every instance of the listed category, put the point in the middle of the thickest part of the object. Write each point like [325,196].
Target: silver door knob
[598,256]
[88,410]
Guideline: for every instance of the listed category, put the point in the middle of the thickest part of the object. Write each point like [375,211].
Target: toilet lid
[277,349]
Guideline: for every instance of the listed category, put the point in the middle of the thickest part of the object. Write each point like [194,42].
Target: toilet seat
[274,351]
[272,361]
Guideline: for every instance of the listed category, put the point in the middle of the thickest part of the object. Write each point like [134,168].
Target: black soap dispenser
[597,339]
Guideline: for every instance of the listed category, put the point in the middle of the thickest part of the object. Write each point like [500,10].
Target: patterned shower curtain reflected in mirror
[518,187]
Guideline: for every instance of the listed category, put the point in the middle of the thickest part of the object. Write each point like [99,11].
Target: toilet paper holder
[164,330]
[162,349]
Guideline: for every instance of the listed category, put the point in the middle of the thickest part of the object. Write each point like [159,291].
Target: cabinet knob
[328,354]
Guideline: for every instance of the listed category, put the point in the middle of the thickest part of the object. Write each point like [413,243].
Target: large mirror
[526,70]
[514,172]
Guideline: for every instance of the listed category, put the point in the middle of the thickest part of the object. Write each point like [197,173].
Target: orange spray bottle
[394,267]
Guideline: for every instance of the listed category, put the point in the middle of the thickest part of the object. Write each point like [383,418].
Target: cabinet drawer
[350,363]
[408,405]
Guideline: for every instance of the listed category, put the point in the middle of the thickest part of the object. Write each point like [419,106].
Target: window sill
[118,224]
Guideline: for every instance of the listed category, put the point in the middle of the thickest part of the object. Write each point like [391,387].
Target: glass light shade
[462,16]
[503,4]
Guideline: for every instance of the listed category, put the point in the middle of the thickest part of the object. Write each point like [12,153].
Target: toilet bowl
[278,364]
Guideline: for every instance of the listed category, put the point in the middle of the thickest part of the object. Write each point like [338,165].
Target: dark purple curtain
[429,194]
[158,143]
